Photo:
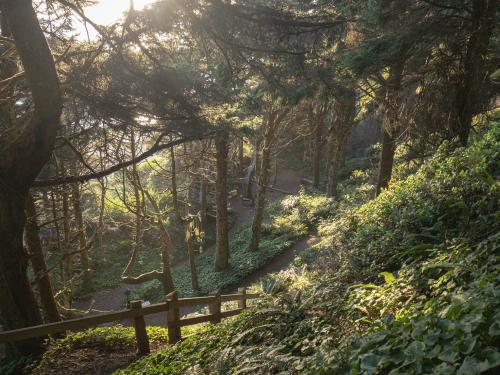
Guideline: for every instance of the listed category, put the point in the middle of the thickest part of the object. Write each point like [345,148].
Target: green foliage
[405,284]
[108,339]
[291,219]
[453,328]
[117,342]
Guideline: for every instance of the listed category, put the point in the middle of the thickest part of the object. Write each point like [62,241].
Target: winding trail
[114,298]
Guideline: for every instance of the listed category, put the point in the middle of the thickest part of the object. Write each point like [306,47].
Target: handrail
[137,312]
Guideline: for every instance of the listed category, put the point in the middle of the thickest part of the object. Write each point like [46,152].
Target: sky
[106,12]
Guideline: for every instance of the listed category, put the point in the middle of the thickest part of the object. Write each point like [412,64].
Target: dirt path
[115,299]
[280,262]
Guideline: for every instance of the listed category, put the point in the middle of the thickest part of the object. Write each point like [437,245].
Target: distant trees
[413,56]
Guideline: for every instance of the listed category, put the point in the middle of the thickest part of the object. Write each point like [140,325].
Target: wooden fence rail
[137,312]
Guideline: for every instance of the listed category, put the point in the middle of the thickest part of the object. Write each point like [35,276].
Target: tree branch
[91,176]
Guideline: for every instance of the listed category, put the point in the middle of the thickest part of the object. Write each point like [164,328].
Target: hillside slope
[407,283]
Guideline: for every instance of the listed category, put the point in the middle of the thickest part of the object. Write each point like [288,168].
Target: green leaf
[491,359]
[388,277]
[448,355]
[415,351]
[467,345]
[434,352]
[494,329]
[443,369]
[396,357]
[469,367]
[369,362]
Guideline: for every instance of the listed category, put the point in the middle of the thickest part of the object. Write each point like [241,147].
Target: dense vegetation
[402,284]
[195,146]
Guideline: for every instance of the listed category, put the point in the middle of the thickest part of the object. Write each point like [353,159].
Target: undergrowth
[405,284]
[289,220]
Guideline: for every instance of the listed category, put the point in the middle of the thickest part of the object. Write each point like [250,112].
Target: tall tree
[390,124]
[344,109]
[24,149]
[222,226]
[480,29]
[273,117]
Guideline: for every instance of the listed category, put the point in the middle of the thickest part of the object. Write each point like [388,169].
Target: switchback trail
[114,299]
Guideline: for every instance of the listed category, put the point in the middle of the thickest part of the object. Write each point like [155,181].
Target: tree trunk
[38,264]
[222,230]
[390,126]
[135,180]
[261,198]
[345,111]
[333,170]
[192,264]
[102,210]
[173,190]
[82,238]
[241,158]
[203,205]
[253,168]
[67,264]
[271,122]
[317,154]
[483,21]
[18,307]
[386,161]
[166,274]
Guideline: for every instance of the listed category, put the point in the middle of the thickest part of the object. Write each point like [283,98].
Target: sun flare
[107,12]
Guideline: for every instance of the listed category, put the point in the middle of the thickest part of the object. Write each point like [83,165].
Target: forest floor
[287,181]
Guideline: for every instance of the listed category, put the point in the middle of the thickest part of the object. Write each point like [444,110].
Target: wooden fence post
[215,307]
[242,303]
[173,319]
[141,334]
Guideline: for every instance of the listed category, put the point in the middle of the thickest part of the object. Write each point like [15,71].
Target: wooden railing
[137,312]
